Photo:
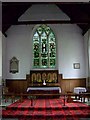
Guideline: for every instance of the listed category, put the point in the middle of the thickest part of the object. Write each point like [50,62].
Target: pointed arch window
[44,47]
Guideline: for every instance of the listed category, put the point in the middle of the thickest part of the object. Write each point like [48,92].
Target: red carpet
[46,109]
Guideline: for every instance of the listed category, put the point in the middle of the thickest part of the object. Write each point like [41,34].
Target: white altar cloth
[44,88]
[79,90]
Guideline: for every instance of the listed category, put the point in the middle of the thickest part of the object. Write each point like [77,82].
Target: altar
[43,82]
[44,90]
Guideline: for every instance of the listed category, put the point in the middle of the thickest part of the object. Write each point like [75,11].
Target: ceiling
[79,14]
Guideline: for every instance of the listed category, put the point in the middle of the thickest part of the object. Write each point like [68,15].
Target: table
[44,89]
[78,90]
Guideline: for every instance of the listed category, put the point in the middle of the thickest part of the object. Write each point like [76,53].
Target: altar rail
[66,96]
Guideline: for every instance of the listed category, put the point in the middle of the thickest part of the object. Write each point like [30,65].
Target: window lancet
[44,47]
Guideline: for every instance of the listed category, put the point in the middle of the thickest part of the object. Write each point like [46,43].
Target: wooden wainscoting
[69,84]
[17,85]
[20,85]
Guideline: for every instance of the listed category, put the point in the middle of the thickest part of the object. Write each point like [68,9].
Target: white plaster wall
[43,12]
[0,57]
[70,49]
[19,45]
[4,56]
[89,54]
[87,57]
[86,46]
[89,48]
[70,46]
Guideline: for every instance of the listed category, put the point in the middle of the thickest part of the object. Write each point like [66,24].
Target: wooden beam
[86,29]
[52,22]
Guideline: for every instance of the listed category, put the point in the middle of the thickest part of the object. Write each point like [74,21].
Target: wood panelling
[16,86]
[20,85]
[69,84]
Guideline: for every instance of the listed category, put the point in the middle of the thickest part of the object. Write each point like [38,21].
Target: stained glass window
[44,47]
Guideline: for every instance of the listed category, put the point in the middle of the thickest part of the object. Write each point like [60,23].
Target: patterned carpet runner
[46,109]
